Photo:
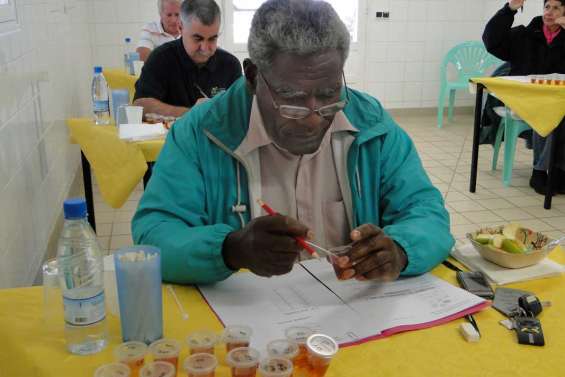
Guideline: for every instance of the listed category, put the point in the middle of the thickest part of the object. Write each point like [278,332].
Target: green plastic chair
[470,59]
[511,126]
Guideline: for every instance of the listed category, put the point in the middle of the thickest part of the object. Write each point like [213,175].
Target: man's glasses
[300,112]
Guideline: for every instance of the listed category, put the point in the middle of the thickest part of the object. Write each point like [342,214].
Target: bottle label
[101,106]
[84,311]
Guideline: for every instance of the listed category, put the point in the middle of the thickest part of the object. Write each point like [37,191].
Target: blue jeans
[541,147]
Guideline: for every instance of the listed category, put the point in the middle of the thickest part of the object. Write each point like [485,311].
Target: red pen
[299,240]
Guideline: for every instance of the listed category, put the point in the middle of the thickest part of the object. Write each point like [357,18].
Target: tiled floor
[446,155]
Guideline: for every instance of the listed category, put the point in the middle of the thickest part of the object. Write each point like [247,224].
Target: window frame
[241,48]
[8,16]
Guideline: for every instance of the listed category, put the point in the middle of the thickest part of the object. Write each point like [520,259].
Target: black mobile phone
[476,283]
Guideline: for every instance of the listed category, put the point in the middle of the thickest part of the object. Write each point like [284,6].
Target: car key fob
[529,331]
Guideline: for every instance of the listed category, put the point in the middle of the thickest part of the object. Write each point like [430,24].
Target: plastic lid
[243,357]
[275,367]
[130,351]
[158,369]
[97,69]
[127,39]
[298,334]
[74,208]
[322,345]
[113,370]
[165,348]
[237,333]
[200,363]
[282,348]
[202,339]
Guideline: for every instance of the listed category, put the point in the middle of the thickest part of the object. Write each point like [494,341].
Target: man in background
[179,73]
[156,33]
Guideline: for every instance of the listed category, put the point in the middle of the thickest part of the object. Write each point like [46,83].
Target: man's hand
[373,256]
[561,22]
[266,245]
[516,4]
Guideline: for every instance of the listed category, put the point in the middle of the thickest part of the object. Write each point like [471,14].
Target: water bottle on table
[100,98]
[82,282]
[128,48]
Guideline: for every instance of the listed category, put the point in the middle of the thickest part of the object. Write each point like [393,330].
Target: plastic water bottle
[100,98]
[127,50]
[81,275]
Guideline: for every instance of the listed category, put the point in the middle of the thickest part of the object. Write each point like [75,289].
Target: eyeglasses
[300,112]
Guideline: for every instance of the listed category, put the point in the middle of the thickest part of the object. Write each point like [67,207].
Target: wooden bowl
[511,260]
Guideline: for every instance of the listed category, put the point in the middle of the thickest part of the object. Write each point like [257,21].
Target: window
[243,11]
[8,19]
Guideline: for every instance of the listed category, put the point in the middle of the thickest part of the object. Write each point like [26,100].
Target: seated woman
[538,48]
[156,33]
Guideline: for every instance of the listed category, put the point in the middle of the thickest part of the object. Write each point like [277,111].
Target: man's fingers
[283,225]
[374,261]
[385,272]
[361,249]
[364,231]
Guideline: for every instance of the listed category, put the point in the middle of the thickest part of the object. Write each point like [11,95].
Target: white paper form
[404,304]
[271,305]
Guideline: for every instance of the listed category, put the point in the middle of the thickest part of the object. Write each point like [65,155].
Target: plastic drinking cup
[339,252]
[113,370]
[138,277]
[202,342]
[200,365]
[52,296]
[120,97]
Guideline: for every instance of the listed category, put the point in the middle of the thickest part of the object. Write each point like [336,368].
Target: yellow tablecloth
[28,349]
[118,78]
[118,166]
[540,106]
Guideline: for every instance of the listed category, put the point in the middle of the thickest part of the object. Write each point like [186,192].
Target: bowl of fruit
[511,246]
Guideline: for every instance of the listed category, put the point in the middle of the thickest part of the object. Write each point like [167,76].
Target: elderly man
[179,73]
[291,133]
[156,33]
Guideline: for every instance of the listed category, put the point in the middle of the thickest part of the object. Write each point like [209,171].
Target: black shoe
[538,181]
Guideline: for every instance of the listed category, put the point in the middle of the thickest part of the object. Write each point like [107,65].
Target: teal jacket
[201,189]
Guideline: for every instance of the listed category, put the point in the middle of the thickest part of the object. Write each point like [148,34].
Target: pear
[483,238]
[513,246]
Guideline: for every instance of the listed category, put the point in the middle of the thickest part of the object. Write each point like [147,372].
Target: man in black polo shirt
[180,73]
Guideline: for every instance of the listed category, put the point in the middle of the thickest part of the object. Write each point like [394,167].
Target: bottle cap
[97,69]
[322,345]
[74,208]
[128,39]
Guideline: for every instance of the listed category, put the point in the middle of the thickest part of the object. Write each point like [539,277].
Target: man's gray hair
[206,11]
[299,27]
[160,3]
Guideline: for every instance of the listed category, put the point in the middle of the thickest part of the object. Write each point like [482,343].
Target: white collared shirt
[153,35]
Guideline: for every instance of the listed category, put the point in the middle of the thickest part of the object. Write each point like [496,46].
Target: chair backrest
[470,59]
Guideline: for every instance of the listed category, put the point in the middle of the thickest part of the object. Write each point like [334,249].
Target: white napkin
[467,255]
[139,132]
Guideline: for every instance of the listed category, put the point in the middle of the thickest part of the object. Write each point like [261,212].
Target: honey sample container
[200,365]
[131,354]
[166,350]
[236,336]
[321,350]
[202,342]
[243,361]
